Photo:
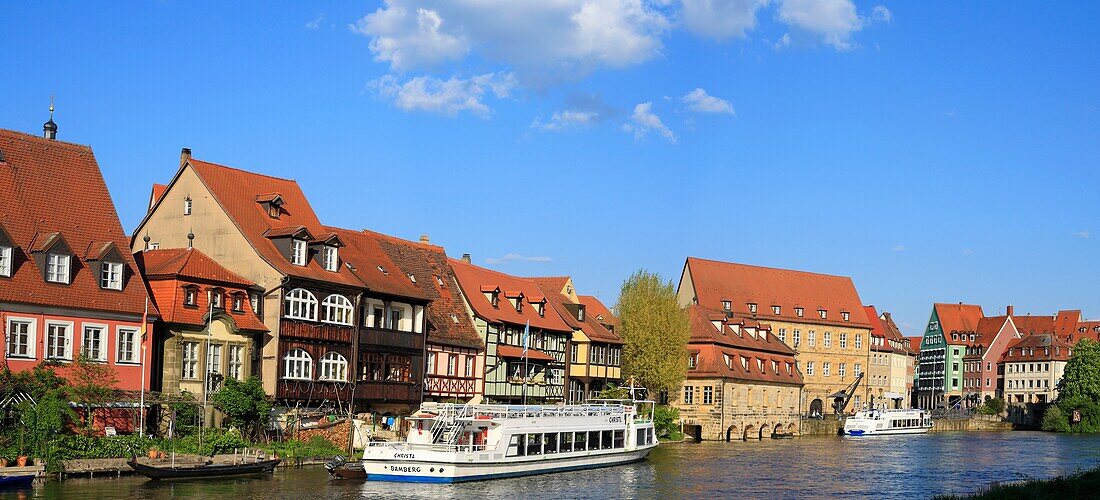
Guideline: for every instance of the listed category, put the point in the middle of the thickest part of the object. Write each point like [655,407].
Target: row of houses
[231,274]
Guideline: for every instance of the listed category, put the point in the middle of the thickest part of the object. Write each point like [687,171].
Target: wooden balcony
[380,337]
[442,385]
[389,392]
[316,331]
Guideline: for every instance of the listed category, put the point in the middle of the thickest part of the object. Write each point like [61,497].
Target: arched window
[298,364]
[336,309]
[334,367]
[301,304]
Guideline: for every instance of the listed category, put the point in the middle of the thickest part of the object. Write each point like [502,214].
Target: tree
[655,331]
[245,405]
[91,385]
[992,406]
[1081,379]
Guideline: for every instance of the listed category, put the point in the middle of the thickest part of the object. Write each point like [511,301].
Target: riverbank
[829,427]
[1080,485]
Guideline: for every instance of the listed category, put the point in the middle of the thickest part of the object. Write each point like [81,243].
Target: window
[190,365]
[217,299]
[797,337]
[828,338]
[798,311]
[844,315]
[809,368]
[110,276]
[842,369]
[692,360]
[726,305]
[336,309]
[708,395]
[843,340]
[775,310]
[812,338]
[332,261]
[430,363]
[857,369]
[395,318]
[238,302]
[59,343]
[825,369]
[298,365]
[301,304]
[397,368]
[822,313]
[92,342]
[469,366]
[5,261]
[859,341]
[379,316]
[452,365]
[574,353]
[298,252]
[254,301]
[189,295]
[236,362]
[783,335]
[57,268]
[752,308]
[187,206]
[334,367]
[689,395]
[21,338]
[213,366]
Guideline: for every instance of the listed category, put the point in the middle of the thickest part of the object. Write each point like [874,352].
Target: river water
[879,467]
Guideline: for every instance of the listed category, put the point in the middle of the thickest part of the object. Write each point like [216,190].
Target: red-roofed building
[742,382]
[502,307]
[68,284]
[950,329]
[204,308]
[818,315]
[890,370]
[455,352]
[345,325]
[1032,366]
[595,350]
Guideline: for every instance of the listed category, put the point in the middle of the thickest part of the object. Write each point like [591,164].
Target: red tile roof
[712,346]
[51,187]
[158,191]
[169,271]
[887,330]
[237,191]
[553,288]
[958,318]
[449,322]
[703,330]
[511,351]
[188,263]
[597,310]
[373,266]
[472,278]
[914,343]
[741,284]
[1030,348]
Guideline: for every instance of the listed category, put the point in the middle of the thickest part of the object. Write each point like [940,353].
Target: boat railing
[442,447]
[449,411]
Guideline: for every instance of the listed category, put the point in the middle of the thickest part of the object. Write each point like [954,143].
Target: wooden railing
[441,385]
[391,338]
[397,392]
[316,331]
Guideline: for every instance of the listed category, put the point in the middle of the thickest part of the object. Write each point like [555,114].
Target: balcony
[391,338]
[390,392]
[441,385]
[316,331]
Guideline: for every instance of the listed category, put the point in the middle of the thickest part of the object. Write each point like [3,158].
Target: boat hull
[885,432]
[205,471]
[13,482]
[453,472]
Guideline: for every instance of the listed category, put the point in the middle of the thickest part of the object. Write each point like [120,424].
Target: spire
[49,129]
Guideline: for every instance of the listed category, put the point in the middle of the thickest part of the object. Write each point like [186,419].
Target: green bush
[1054,420]
[316,447]
[992,406]
[666,422]
[81,446]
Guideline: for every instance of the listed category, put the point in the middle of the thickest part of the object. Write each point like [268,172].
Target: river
[882,467]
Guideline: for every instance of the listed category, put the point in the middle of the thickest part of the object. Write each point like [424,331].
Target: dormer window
[726,305]
[494,299]
[745,363]
[580,313]
[844,315]
[5,261]
[190,295]
[693,360]
[439,280]
[775,310]
[798,311]
[760,365]
[187,206]
[238,303]
[57,268]
[752,308]
[331,258]
[298,252]
[217,298]
[541,308]
[254,301]
[823,313]
[110,276]
[519,304]
[729,362]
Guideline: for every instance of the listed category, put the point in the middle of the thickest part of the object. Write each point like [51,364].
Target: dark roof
[53,191]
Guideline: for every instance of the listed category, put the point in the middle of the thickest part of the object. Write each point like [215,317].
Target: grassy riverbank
[1079,485]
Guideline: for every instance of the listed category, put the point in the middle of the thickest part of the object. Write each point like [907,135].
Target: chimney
[185,155]
[1008,310]
[49,129]
[424,239]
[466,258]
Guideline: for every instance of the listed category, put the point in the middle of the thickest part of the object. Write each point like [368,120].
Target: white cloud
[644,121]
[700,102]
[832,20]
[784,42]
[316,22]
[721,19]
[517,257]
[1082,234]
[880,14]
[557,39]
[900,248]
[566,119]
[449,97]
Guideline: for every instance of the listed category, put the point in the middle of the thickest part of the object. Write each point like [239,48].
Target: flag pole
[141,405]
[526,334]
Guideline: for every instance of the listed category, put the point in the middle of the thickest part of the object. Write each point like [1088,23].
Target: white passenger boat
[453,443]
[868,422]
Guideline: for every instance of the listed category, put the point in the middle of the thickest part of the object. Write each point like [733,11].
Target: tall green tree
[1081,379]
[245,405]
[655,331]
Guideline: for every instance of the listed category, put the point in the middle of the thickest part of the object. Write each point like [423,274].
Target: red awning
[511,351]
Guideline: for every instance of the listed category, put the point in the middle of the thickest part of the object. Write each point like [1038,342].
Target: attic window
[189,296]
[823,313]
[298,252]
[238,303]
[5,262]
[332,258]
[454,318]
[760,365]
[798,311]
[110,276]
[187,206]
[412,278]
[726,305]
[217,298]
[541,308]
[494,298]
[383,270]
[844,315]
[752,307]
[519,304]
[775,367]
[693,360]
[57,268]
[439,280]
[775,310]
[745,363]
[729,362]
[580,313]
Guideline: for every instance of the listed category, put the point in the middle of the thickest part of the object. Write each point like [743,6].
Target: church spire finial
[49,129]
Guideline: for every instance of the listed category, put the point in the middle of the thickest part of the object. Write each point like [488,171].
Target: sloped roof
[598,310]
[958,318]
[703,330]
[914,343]
[553,288]
[157,192]
[741,284]
[888,330]
[711,348]
[1029,325]
[1037,341]
[237,191]
[50,187]
[471,278]
[373,266]
[449,322]
[187,263]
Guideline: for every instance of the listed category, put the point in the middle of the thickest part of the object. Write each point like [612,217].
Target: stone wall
[737,409]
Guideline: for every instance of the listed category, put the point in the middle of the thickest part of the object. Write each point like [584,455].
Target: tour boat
[868,422]
[449,443]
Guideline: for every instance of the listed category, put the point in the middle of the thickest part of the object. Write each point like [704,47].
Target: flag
[526,333]
[145,319]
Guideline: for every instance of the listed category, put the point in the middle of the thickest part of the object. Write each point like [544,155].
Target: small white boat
[453,443]
[869,422]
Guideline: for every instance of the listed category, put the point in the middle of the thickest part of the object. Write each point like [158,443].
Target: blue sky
[934,151]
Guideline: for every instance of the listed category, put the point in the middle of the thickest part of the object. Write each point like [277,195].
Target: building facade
[742,382]
[595,352]
[1033,367]
[525,340]
[69,286]
[891,362]
[819,316]
[951,328]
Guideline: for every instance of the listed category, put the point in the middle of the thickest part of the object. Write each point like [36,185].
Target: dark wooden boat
[20,481]
[341,469]
[203,470]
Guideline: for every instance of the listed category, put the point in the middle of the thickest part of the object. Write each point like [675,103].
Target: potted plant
[21,461]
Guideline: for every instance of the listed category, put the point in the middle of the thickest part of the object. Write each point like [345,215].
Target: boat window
[550,442]
[566,442]
[652,435]
[619,439]
[516,446]
[642,435]
[534,444]
[593,440]
[580,441]
[605,443]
